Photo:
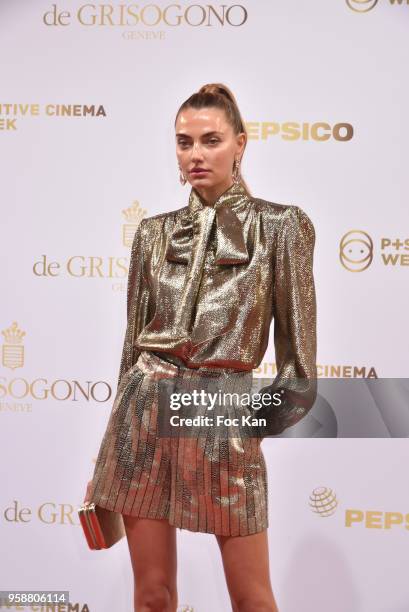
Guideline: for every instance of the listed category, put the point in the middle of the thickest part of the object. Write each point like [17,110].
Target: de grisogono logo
[17,392]
[12,351]
[148,15]
[356,251]
[96,266]
[133,215]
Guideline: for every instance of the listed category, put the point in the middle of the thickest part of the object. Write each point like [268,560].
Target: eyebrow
[206,134]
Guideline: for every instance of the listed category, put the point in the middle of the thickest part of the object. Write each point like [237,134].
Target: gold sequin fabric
[206,281]
[208,482]
[204,284]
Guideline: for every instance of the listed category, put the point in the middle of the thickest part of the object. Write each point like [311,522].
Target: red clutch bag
[102,528]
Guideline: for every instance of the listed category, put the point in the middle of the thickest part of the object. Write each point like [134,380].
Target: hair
[217,95]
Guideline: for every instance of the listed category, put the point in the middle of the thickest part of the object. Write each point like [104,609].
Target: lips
[198,171]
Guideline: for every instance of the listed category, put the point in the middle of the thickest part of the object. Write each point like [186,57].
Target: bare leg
[152,546]
[246,567]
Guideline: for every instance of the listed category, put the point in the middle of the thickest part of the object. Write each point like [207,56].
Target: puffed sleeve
[294,312]
[136,302]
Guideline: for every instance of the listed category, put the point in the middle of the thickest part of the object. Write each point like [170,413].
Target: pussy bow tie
[231,245]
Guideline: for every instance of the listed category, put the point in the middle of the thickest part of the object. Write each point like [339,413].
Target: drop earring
[182,177]
[236,171]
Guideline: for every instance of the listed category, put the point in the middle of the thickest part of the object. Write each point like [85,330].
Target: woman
[204,283]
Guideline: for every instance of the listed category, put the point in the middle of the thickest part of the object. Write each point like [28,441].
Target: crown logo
[13,349]
[133,215]
[13,335]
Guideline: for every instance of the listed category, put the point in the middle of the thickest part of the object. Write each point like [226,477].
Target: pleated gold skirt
[204,483]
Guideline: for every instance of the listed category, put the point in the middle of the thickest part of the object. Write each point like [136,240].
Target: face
[205,139]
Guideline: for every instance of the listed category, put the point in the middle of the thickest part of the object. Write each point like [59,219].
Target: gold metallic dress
[204,284]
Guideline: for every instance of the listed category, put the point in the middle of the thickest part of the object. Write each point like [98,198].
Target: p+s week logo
[364,6]
[356,251]
[361,6]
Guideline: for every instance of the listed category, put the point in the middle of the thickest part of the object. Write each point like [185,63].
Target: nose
[196,151]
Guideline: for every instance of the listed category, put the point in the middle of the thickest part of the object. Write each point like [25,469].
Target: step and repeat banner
[88,98]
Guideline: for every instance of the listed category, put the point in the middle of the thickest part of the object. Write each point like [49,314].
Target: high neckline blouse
[227,211]
[233,197]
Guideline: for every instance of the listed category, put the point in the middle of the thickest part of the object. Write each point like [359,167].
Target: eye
[214,140]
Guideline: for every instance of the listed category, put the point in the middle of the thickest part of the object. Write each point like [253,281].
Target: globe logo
[356,251]
[323,501]
[361,6]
